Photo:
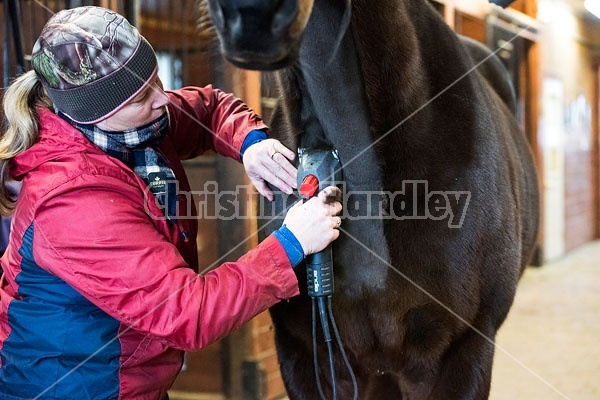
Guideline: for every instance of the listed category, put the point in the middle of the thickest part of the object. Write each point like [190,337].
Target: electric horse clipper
[318,169]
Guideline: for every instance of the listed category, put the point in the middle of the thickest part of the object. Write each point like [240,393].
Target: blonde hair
[20,104]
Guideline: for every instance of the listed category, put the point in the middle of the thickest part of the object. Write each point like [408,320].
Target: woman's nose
[159,97]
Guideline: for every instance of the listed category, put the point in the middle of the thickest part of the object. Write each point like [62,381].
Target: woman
[99,298]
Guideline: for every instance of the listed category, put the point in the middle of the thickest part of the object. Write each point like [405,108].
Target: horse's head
[260,34]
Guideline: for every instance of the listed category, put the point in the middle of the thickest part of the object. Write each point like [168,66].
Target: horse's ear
[502,3]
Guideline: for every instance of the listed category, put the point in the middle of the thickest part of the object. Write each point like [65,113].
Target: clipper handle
[317,170]
[319,269]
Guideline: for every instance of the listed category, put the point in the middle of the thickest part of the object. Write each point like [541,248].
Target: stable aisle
[549,347]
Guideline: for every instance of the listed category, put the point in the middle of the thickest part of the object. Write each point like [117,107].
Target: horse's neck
[334,95]
[408,56]
[334,106]
[388,42]
[377,70]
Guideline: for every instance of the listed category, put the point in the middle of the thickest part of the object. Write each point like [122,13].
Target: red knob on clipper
[309,186]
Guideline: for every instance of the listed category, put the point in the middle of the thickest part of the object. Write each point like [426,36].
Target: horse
[441,205]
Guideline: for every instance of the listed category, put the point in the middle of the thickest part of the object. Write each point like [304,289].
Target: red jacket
[98,299]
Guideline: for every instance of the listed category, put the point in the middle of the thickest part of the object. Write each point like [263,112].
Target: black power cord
[320,289]
[318,169]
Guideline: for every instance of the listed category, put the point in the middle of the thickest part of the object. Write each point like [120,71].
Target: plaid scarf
[137,148]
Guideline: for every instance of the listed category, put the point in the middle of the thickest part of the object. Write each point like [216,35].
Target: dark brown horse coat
[420,293]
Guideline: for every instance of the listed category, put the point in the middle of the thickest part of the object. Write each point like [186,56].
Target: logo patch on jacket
[157,181]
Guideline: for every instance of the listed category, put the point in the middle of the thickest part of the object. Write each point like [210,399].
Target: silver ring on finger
[338,223]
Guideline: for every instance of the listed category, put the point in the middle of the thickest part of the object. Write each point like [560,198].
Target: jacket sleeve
[209,119]
[100,240]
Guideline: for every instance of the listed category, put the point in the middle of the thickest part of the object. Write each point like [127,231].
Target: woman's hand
[315,223]
[269,161]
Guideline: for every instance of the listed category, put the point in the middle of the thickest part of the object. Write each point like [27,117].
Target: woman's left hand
[270,161]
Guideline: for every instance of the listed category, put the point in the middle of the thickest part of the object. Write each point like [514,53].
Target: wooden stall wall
[569,55]
[588,40]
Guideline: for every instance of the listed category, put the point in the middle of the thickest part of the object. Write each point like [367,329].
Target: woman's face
[146,106]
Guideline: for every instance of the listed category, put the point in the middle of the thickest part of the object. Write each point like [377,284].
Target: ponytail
[20,103]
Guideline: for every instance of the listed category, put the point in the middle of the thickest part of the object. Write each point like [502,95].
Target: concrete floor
[549,346]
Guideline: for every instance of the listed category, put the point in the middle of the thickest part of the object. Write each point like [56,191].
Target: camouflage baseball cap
[91,61]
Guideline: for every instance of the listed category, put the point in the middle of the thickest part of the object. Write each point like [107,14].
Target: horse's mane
[204,24]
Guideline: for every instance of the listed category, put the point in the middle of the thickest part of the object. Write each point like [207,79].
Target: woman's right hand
[315,223]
